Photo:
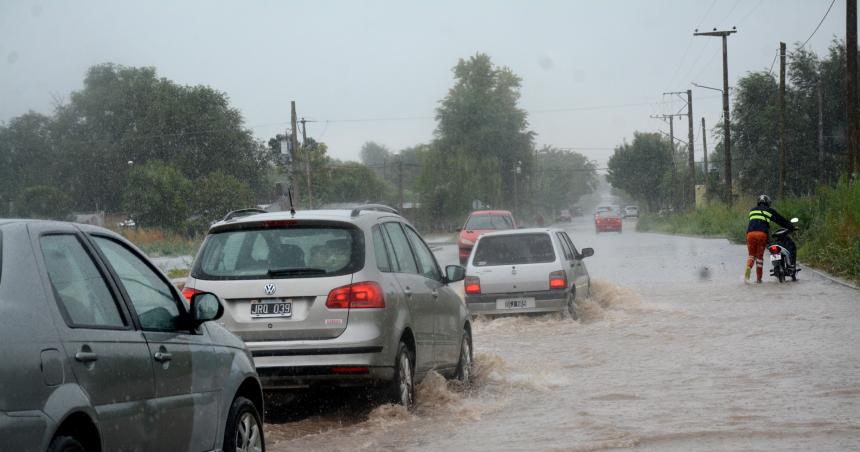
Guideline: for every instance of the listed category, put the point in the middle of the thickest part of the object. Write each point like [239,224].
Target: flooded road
[673,351]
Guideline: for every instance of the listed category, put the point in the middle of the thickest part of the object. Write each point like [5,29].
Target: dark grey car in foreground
[100,352]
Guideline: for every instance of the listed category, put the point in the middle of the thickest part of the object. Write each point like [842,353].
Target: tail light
[189,293]
[558,280]
[356,296]
[774,249]
[472,284]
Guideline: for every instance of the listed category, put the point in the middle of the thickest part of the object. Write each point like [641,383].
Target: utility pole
[400,182]
[691,159]
[727,131]
[672,144]
[820,132]
[307,161]
[294,141]
[705,148]
[781,119]
[851,82]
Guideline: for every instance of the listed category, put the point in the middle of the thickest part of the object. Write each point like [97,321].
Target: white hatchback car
[526,271]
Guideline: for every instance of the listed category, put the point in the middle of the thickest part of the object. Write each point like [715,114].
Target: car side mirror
[586,252]
[205,307]
[454,273]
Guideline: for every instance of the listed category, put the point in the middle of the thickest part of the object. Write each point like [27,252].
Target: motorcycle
[783,254]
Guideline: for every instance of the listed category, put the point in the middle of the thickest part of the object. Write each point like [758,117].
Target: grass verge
[155,242]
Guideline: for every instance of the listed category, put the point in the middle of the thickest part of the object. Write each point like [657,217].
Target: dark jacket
[761,217]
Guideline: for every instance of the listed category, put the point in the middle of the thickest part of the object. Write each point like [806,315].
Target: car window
[564,246]
[570,242]
[490,222]
[78,284]
[402,251]
[514,249]
[303,251]
[429,267]
[380,250]
[153,299]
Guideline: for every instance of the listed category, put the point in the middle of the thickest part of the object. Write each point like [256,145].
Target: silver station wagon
[100,352]
[526,271]
[338,297]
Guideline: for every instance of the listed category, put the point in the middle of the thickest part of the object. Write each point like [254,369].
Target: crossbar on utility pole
[727,132]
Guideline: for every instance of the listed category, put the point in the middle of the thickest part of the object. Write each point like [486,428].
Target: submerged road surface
[673,352]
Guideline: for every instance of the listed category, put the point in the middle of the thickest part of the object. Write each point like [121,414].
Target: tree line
[815,136]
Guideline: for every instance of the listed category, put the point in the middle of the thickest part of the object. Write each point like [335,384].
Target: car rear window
[300,251]
[514,249]
[490,222]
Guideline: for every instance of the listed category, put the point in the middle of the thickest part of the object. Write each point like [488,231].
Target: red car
[607,221]
[479,222]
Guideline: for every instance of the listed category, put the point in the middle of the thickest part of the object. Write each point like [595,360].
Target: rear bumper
[545,301]
[464,253]
[27,430]
[298,377]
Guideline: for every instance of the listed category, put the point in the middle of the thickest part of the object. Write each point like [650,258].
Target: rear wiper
[295,271]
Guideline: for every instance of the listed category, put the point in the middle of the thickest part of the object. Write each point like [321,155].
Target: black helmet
[764,200]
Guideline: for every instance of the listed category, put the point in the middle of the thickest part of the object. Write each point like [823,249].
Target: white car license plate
[271,308]
[515,303]
[775,257]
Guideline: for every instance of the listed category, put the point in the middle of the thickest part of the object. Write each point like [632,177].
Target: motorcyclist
[758,228]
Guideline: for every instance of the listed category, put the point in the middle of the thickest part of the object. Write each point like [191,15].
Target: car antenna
[290,195]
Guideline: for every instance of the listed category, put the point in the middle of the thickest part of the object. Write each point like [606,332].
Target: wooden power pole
[691,157]
[294,141]
[307,162]
[705,149]
[781,119]
[851,84]
[727,131]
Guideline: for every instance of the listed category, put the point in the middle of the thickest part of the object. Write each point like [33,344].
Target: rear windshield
[514,249]
[490,222]
[292,252]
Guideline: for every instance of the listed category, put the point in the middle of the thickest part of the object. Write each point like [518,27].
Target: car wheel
[402,388]
[570,307]
[65,444]
[244,430]
[464,366]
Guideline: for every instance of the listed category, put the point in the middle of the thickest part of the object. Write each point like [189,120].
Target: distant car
[478,223]
[606,221]
[346,298]
[127,223]
[631,212]
[577,211]
[526,271]
[564,216]
[101,353]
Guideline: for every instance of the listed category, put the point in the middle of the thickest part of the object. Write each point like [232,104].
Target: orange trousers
[756,243]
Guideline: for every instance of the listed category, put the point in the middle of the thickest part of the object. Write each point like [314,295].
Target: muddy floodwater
[673,352]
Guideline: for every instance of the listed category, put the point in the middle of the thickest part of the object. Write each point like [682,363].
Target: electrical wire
[818,26]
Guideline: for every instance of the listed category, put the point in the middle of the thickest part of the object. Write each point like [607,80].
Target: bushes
[41,201]
[829,236]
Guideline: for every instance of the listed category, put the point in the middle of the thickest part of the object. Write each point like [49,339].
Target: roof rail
[243,213]
[378,207]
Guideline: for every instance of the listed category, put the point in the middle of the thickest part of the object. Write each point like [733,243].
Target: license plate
[775,257]
[515,303]
[271,308]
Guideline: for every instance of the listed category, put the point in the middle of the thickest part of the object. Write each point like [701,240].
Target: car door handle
[408,292]
[162,357]
[86,357]
[435,293]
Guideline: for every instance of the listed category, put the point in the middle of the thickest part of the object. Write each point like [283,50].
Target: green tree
[156,194]
[481,138]
[28,157]
[214,195]
[377,157]
[41,201]
[354,182]
[641,169]
[560,178]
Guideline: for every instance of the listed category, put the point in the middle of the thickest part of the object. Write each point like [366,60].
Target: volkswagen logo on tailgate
[269,289]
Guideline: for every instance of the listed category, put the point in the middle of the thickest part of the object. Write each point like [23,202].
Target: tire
[65,444]
[401,390]
[244,431]
[779,273]
[465,364]
[570,307]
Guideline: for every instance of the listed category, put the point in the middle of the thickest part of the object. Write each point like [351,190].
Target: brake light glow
[472,285]
[356,296]
[558,280]
[189,293]
[774,249]
[279,223]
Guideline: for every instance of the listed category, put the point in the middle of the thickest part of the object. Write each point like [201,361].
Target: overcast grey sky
[390,61]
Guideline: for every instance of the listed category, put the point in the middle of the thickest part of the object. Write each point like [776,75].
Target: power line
[819,25]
